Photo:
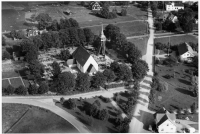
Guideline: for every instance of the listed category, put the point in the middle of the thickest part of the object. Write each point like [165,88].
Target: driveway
[142,116]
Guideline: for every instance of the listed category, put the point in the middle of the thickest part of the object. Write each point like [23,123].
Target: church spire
[102,36]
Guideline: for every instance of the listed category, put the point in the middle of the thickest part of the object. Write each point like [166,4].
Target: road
[141,115]
[48,102]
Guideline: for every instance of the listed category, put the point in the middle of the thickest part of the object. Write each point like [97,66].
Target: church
[84,61]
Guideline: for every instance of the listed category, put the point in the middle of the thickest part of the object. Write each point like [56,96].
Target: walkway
[142,116]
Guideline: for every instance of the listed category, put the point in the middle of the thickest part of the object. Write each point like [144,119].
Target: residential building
[83,60]
[165,122]
[174,6]
[185,52]
[16,56]
[173,18]
[95,6]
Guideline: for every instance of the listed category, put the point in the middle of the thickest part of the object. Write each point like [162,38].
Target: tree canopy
[139,69]
[83,82]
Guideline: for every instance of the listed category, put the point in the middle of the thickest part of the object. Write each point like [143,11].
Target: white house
[185,52]
[83,60]
[174,6]
[95,6]
[165,122]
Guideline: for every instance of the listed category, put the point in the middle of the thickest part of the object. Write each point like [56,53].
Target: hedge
[114,85]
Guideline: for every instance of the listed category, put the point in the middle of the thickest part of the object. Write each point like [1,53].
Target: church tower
[102,48]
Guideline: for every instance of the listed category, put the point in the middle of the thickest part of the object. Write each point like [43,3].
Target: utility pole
[169,44]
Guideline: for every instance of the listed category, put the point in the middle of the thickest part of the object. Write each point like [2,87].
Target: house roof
[184,47]
[81,55]
[162,117]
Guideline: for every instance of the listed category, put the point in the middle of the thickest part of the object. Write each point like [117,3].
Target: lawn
[16,82]
[26,82]
[9,74]
[93,124]
[36,120]
[141,43]
[5,83]
[177,39]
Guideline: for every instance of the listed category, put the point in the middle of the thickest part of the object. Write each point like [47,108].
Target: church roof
[81,55]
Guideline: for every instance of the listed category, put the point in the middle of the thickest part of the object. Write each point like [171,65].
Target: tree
[97,103]
[159,46]
[134,54]
[185,18]
[124,73]
[43,88]
[118,40]
[93,110]
[65,54]
[33,89]
[81,36]
[56,43]
[70,103]
[193,108]
[139,69]
[31,56]
[56,71]
[114,66]
[195,61]
[123,12]
[171,61]
[65,82]
[37,41]
[104,12]
[83,82]
[21,90]
[64,37]
[55,25]
[64,23]
[5,55]
[3,41]
[73,23]
[36,70]
[13,33]
[158,26]
[109,74]
[98,80]
[10,90]
[74,38]
[194,46]
[103,114]
[88,35]
[47,40]
[111,30]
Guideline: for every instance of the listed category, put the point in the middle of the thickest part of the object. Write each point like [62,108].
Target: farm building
[186,52]
[165,122]
[34,32]
[95,6]
[83,60]
[174,6]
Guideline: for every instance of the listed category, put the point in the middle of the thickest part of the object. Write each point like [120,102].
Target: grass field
[36,120]
[16,82]
[177,39]
[93,124]
[140,43]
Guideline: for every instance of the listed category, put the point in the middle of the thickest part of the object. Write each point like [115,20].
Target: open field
[140,43]
[177,40]
[93,124]
[35,120]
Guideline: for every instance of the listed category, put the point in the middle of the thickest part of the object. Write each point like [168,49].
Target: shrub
[103,114]
[43,88]
[5,55]
[70,104]
[10,90]
[167,76]
[104,99]
[21,90]
[33,89]
[123,12]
